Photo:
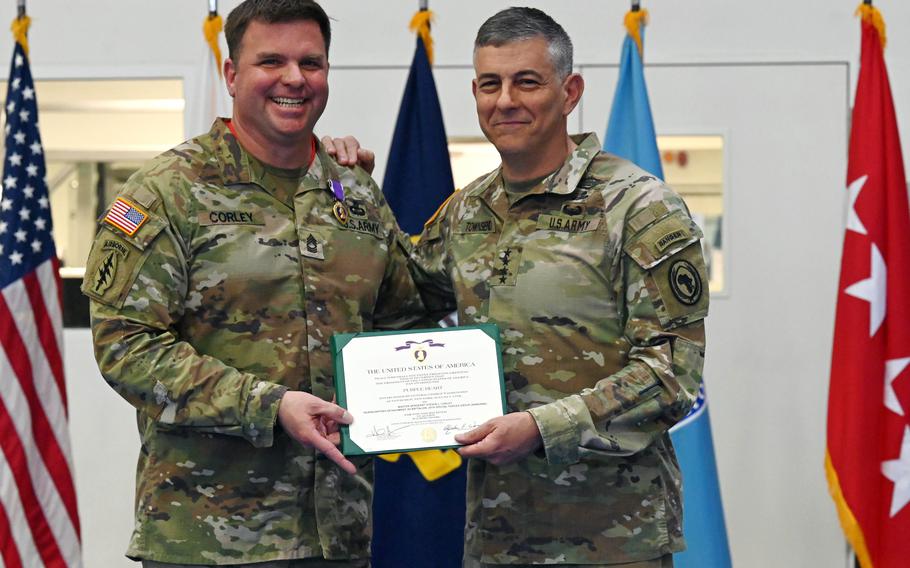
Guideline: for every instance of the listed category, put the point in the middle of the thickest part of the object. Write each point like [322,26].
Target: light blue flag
[630,134]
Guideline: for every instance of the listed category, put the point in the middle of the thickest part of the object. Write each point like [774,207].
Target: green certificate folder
[416,389]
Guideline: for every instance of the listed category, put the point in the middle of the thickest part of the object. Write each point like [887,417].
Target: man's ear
[574,87]
[474,87]
[230,73]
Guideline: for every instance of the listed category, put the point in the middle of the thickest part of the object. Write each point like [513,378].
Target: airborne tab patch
[126,216]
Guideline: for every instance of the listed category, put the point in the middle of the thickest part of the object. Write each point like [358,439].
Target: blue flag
[630,134]
[418,176]
[418,523]
[703,512]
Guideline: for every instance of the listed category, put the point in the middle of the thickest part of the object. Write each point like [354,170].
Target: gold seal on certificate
[417,389]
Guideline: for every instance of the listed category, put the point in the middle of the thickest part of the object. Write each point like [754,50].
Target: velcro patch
[230,217]
[505,267]
[126,216]
[111,268]
[662,239]
[312,246]
[568,224]
[368,226]
[476,226]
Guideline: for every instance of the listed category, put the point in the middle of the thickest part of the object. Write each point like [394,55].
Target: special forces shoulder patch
[118,253]
[112,253]
[110,267]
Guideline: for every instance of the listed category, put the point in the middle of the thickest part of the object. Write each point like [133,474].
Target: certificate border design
[340,340]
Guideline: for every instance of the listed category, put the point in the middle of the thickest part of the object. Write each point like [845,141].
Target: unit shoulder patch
[111,268]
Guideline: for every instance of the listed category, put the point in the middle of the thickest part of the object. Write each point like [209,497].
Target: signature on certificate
[385,432]
[459,427]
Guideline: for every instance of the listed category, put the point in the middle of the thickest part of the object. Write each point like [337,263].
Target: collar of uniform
[564,180]
[234,164]
[321,172]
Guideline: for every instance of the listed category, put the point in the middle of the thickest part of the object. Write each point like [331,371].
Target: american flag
[39,523]
[124,215]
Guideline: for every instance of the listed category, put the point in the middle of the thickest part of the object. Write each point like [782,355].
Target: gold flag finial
[211,28]
[634,20]
[871,15]
[421,24]
[20,31]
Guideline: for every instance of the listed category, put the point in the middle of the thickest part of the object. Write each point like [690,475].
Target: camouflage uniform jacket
[596,280]
[226,296]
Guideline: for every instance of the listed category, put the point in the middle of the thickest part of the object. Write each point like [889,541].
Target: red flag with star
[868,444]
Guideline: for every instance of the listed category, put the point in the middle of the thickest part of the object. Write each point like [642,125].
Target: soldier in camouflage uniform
[593,271]
[217,279]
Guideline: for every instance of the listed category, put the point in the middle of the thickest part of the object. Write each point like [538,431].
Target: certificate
[416,389]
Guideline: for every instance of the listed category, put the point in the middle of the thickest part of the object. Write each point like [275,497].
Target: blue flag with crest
[630,135]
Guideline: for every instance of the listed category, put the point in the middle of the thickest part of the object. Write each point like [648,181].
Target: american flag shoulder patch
[126,216]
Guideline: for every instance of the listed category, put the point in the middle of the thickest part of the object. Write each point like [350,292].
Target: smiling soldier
[217,279]
[593,271]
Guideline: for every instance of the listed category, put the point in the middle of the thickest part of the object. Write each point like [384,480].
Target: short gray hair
[518,24]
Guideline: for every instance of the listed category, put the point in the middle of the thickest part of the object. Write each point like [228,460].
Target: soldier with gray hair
[593,271]
[217,279]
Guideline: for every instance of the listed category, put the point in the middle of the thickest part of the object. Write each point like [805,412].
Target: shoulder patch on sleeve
[653,243]
[126,216]
[116,258]
[669,251]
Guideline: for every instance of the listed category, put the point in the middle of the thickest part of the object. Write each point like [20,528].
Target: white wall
[117,38]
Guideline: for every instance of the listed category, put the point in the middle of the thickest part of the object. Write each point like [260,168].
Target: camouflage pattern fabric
[224,296]
[665,561]
[596,279]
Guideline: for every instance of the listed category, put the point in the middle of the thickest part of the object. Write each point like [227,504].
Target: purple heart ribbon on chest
[337,189]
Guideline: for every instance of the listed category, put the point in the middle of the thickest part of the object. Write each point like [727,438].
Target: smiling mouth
[288,102]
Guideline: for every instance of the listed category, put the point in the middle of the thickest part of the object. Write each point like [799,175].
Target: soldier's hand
[501,440]
[347,152]
[304,417]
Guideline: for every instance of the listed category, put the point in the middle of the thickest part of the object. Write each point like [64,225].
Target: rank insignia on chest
[311,246]
[126,216]
[505,267]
